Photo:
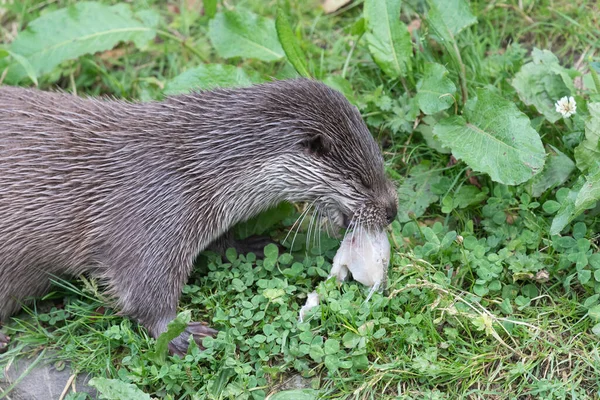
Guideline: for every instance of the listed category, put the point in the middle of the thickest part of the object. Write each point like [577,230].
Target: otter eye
[317,144]
[365,182]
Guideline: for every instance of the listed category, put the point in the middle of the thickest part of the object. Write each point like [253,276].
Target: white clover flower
[566,106]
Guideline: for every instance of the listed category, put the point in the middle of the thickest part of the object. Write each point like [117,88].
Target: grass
[483,302]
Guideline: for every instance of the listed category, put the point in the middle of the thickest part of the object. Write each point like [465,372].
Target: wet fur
[131,192]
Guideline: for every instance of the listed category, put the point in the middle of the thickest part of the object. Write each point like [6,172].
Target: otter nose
[390,212]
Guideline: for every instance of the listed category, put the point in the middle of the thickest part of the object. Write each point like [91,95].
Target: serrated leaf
[542,82]
[115,389]
[387,37]
[587,154]
[415,195]
[556,171]
[435,91]
[242,33]
[68,33]
[290,44]
[495,138]
[449,17]
[210,76]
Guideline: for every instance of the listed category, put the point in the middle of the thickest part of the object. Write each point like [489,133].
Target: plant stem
[462,73]
[345,69]
[183,42]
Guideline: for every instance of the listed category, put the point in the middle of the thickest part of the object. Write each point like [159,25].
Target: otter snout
[391,210]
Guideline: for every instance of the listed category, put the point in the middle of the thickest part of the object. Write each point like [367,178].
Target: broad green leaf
[435,91]
[83,28]
[341,85]
[210,8]
[241,33]
[465,196]
[387,37]
[425,128]
[210,76]
[449,17]
[589,193]
[290,44]
[260,224]
[415,195]
[567,208]
[174,329]
[542,82]
[295,394]
[495,138]
[556,171]
[115,389]
[587,154]
[27,67]
[594,313]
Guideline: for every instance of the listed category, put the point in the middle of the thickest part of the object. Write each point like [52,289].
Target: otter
[131,192]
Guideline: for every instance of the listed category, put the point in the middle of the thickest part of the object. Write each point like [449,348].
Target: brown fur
[131,192]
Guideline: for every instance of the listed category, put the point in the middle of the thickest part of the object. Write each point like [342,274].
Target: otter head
[331,159]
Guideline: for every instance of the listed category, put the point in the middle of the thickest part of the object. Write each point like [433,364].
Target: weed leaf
[587,154]
[341,85]
[295,394]
[244,34]
[210,76]
[68,33]
[387,37]
[290,44]
[566,212]
[27,67]
[174,329]
[435,91]
[115,389]
[449,17]
[495,138]
[542,82]
[210,8]
[415,195]
[556,171]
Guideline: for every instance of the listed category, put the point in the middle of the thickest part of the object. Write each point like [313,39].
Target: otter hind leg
[148,292]
[199,331]
[4,340]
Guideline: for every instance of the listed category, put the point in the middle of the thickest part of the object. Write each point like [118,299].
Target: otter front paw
[180,344]
[3,342]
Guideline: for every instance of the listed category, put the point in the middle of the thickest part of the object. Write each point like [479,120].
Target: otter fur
[131,192]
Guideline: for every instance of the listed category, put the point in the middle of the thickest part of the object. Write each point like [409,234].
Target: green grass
[483,302]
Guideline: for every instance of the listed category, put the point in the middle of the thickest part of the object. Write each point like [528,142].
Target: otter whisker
[311,224]
[303,216]
[299,220]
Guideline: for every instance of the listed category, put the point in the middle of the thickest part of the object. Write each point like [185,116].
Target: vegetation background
[494,286]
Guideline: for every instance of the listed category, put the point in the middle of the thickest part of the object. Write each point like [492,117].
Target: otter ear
[317,144]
